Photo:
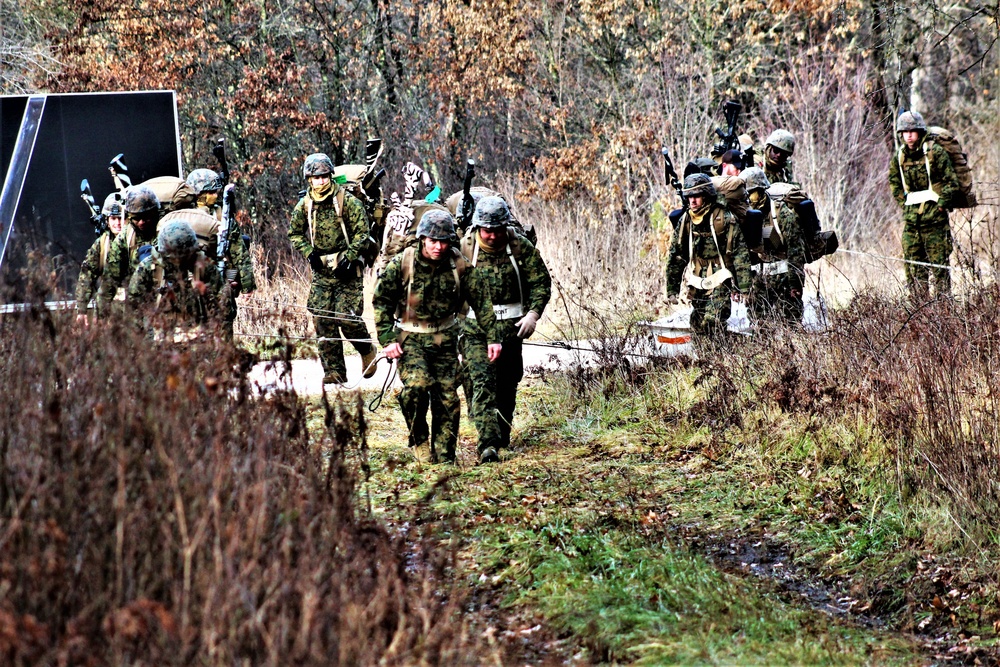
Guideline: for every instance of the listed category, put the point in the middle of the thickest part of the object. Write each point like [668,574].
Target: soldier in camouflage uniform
[96,259]
[776,290]
[176,285]
[519,286]
[329,228]
[708,261]
[778,151]
[142,211]
[417,302]
[923,181]
[239,278]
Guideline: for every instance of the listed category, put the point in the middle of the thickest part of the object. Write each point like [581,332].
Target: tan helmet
[910,120]
[783,140]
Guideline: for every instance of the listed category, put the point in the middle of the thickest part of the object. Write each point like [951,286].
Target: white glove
[526,325]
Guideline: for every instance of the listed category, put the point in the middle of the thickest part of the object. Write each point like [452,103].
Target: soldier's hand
[315,262]
[344,270]
[526,325]
[493,351]
[393,351]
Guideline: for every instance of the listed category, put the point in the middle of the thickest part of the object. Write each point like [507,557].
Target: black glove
[315,262]
[345,270]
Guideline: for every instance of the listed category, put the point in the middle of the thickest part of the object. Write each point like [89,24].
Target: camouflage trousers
[777,296]
[711,310]
[428,370]
[931,244]
[336,306]
[491,389]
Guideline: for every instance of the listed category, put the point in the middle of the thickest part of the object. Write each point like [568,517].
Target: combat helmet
[140,199]
[317,164]
[783,140]
[112,206]
[204,180]
[755,179]
[909,121]
[438,225]
[176,240]
[698,185]
[491,213]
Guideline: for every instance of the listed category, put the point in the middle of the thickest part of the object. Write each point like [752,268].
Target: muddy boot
[422,453]
[334,378]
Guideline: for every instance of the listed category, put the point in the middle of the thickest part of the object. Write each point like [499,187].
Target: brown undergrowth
[152,511]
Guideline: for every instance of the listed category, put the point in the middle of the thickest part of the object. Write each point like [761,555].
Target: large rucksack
[173,192]
[351,178]
[401,228]
[965,197]
[454,202]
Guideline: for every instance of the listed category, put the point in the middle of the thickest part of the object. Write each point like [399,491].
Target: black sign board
[75,137]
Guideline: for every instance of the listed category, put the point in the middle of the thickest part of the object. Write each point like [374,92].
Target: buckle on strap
[427,327]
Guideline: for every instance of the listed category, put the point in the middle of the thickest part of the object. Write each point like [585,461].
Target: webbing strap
[510,256]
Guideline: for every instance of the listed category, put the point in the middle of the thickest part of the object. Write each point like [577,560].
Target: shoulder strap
[338,206]
[105,247]
[309,220]
[902,177]
[407,266]
[927,161]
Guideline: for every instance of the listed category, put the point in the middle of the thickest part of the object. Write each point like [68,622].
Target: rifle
[117,167]
[730,140]
[219,151]
[468,202]
[228,210]
[100,224]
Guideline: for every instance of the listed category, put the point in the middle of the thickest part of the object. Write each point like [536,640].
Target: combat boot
[489,455]
[334,377]
[368,365]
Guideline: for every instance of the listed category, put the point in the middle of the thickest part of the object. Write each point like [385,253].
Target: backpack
[373,202]
[173,192]
[401,227]
[206,227]
[965,197]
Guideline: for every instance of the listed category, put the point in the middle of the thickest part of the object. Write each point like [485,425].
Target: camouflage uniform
[123,257]
[782,140]
[491,388]
[335,301]
[413,290]
[711,307]
[181,287]
[239,265]
[926,231]
[91,271]
[776,289]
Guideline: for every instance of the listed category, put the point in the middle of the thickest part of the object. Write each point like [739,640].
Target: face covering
[321,193]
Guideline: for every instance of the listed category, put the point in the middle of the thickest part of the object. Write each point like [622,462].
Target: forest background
[565,104]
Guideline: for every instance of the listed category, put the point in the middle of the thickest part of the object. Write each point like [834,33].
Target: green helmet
[491,213]
[140,199]
[204,180]
[438,225]
[112,206]
[755,179]
[176,240]
[698,185]
[910,120]
[317,164]
[783,140]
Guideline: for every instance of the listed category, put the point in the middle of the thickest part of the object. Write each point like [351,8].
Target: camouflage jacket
[774,174]
[325,234]
[123,258]
[530,286]
[238,256]
[191,294]
[914,167]
[433,292]
[92,269]
[735,255]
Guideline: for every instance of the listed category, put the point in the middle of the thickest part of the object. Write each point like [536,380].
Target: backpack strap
[105,247]
[902,177]
[338,207]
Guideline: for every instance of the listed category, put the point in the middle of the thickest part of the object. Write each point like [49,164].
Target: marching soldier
[142,211]
[923,181]
[778,150]
[519,286]
[778,278]
[176,281]
[417,304]
[709,261]
[329,228]
[96,260]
